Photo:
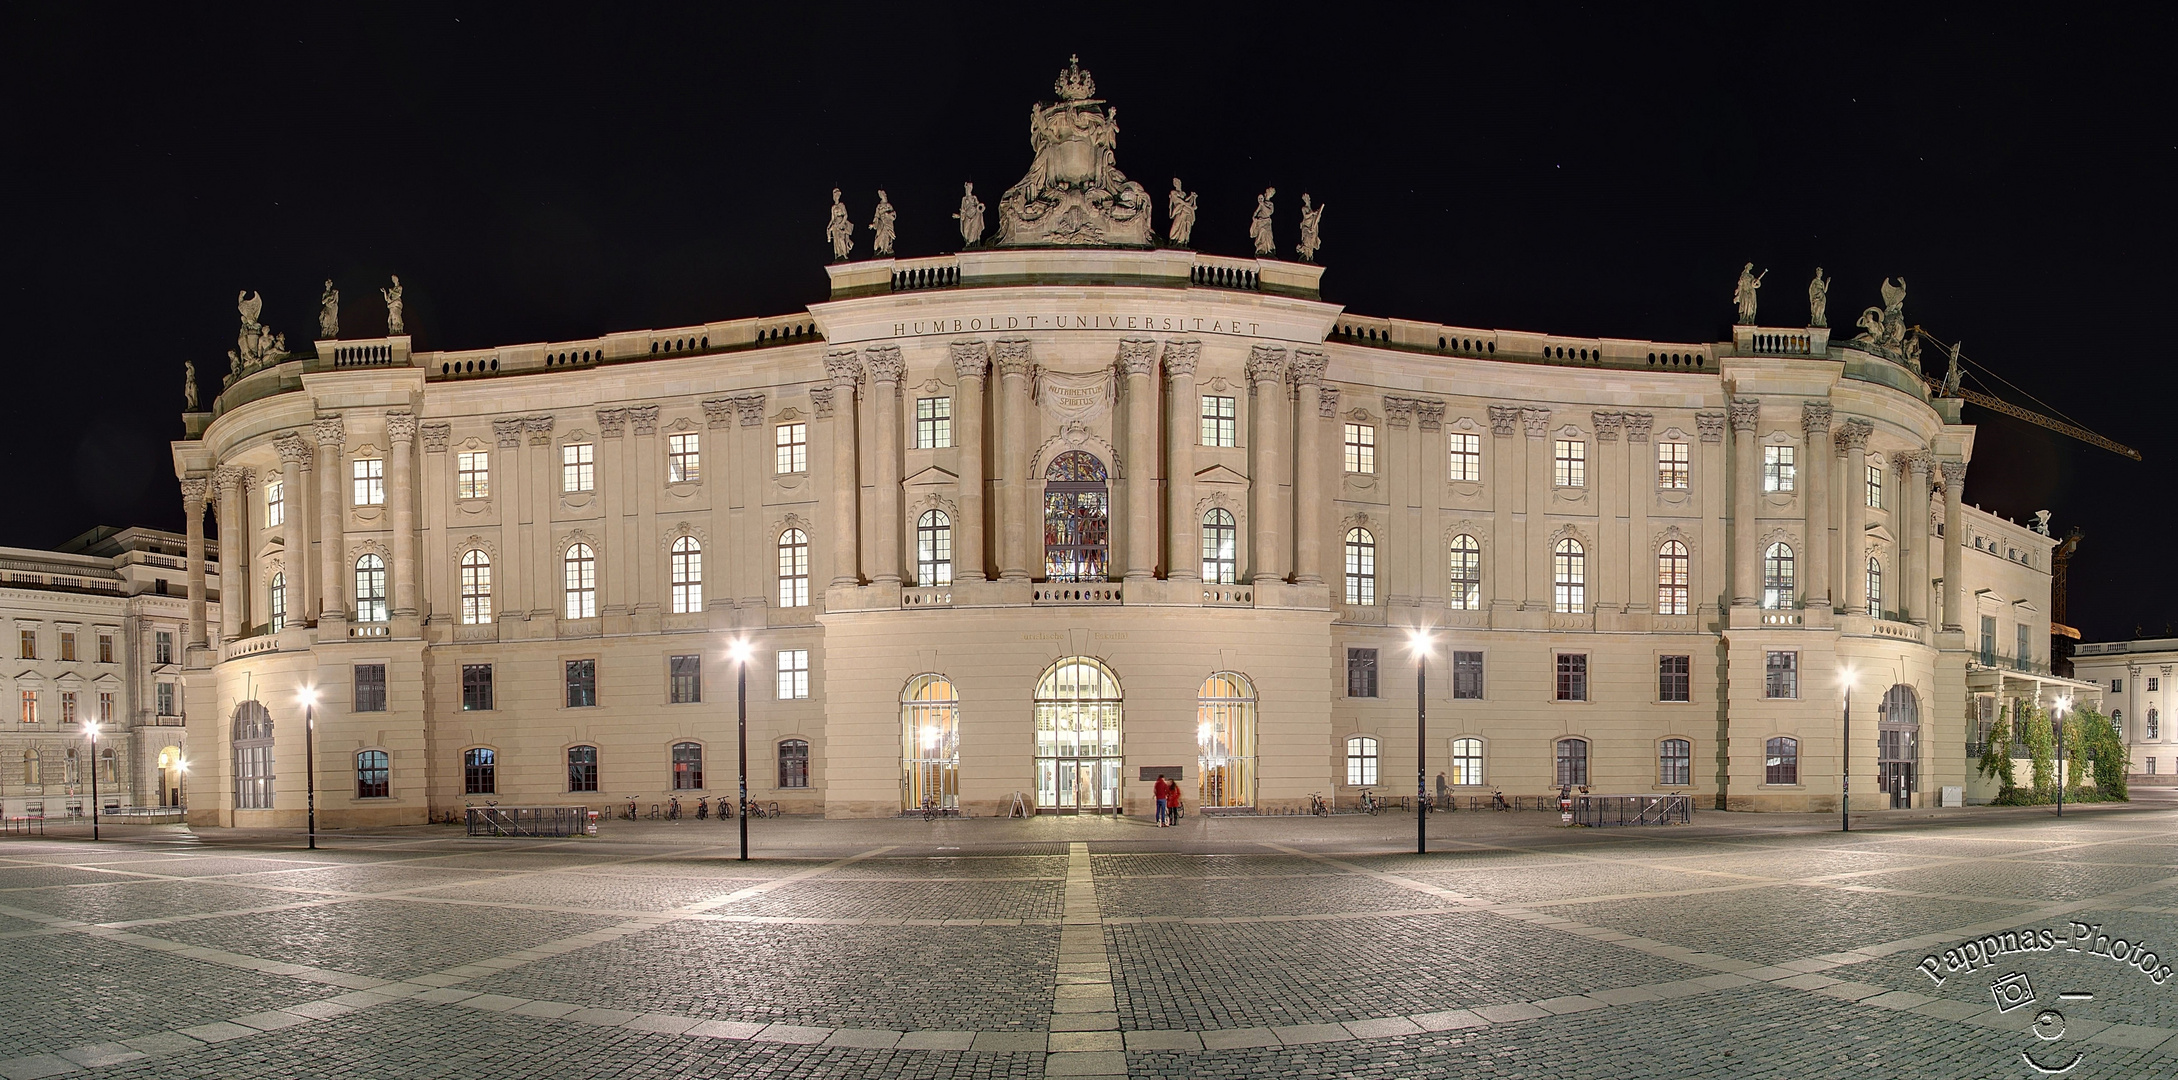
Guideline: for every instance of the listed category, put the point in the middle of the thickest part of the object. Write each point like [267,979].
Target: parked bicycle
[753,809]
[931,809]
[1316,805]
[703,807]
[1497,801]
[630,815]
[1370,804]
[673,808]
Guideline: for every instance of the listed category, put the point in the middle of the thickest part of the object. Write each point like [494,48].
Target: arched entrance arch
[170,776]
[930,735]
[1077,737]
[1225,736]
[1898,744]
[253,774]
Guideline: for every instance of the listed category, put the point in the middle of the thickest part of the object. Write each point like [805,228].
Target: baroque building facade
[2136,680]
[1033,523]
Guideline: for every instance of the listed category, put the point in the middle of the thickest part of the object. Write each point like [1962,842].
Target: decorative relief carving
[645,418]
[1012,357]
[612,422]
[434,438]
[1815,418]
[1181,357]
[751,407]
[1711,426]
[368,547]
[1308,367]
[539,428]
[193,489]
[1138,357]
[475,542]
[293,450]
[1535,420]
[1468,527]
[231,476]
[1357,520]
[1779,536]
[1502,419]
[401,426]
[509,431]
[1745,412]
[1608,425]
[971,359]
[1075,435]
[928,501]
[1430,414]
[1327,401]
[1398,412]
[787,415]
[1360,416]
[328,430]
[780,525]
[681,529]
[1074,396]
[718,412]
[820,399]
[1266,363]
[1954,472]
[1661,536]
[1638,425]
[1573,532]
[1853,435]
[884,363]
[843,367]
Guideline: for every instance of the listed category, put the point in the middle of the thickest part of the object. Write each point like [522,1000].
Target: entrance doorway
[170,776]
[1898,745]
[1077,738]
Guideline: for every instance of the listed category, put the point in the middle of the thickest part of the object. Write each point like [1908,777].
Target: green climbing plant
[2031,727]
[1996,757]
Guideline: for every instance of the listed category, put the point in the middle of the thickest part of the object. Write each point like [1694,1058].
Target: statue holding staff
[970,216]
[1311,229]
[1744,293]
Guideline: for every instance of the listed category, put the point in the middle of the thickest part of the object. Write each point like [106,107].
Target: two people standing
[1168,802]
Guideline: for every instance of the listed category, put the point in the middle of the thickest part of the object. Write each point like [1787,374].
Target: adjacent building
[2136,679]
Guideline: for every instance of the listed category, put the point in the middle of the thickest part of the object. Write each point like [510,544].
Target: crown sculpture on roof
[1074,193]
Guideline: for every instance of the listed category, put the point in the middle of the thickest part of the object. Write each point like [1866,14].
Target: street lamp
[2057,726]
[90,731]
[1845,755]
[739,650]
[1418,640]
[309,698]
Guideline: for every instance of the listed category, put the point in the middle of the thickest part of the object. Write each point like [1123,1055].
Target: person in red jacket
[1164,796]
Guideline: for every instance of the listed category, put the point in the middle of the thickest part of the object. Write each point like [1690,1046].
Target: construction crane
[1949,386]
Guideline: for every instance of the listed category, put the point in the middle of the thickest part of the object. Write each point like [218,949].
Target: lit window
[1671,466]
[1569,577]
[1360,448]
[934,548]
[793,449]
[1220,548]
[1466,461]
[1777,468]
[794,568]
[581,684]
[793,674]
[687,571]
[252,746]
[1360,761]
[27,645]
[1875,487]
[1781,675]
[68,645]
[277,594]
[370,589]
[684,679]
[1875,586]
[1466,559]
[581,581]
[373,774]
[473,474]
[1361,673]
[275,502]
[1671,578]
[582,768]
[1219,424]
[1572,676]
[1571,456]
[2155,722]
[1360,567]
[370,481]
[794,763]
[68,706]
[933,423]
[1467,761]
[370,687]
[1467,676]
[1674,763]
[479,772]
[30,707]
[687,767]
[105,708]
[1777,577]
[1781,761]
[1572,762]
[105,648]
[684,458]
[476,587]
[578,467]
[476,687]
[1674,678]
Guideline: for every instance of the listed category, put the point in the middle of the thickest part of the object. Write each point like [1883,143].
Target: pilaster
[1138,366]
[1746,415]
[1183,429]
[1273,419]
[844,367]
[1815,501]
[971,367]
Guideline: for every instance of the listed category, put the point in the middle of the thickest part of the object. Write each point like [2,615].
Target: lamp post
[310,759]
[1418,640]
[740,652]
[2057,726]
[90,731]
[1845,757]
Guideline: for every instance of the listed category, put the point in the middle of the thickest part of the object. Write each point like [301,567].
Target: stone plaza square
[1739,945]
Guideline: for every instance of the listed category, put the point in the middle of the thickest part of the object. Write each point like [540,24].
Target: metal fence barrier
[1597,810]
[144,815]
[527,820]
[23,826]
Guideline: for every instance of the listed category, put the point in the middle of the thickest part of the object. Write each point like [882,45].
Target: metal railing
[1599,810]
[527,820]
[23,826]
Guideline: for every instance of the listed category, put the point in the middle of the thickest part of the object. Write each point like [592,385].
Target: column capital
[1267,364]
[1746,413]
[1398,412]
[971,359]
[508,431]
[401,427]
[1503,418]
[1954,473]
[1608,425]
[293,450]
[751,408]
[1710,425]
[194,489]
[843,367]
[884,363]
[645,419]
[820,399]
[1430,414]
[1138,357]
[1012,357]
[1853,435]
[231,477]
[1181,358]
[539,428]
[1638,425]
[611,422]
[718,412]
[1815,419]
[434,438]
[1327,401]
[1308,367]
[1535,421]
[328,430]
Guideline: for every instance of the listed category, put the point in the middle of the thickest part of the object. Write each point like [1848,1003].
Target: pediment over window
[929,477]
[1219,474]
[1883,533]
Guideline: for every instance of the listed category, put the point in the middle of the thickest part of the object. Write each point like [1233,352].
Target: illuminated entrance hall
[1225,734]
[1077,737]
[930,717]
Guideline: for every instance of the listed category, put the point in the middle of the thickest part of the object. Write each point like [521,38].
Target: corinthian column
[295,528]
[234,578]
[1308,464]
[845,368]
[193,488]
[1183,542]
[1267,455]
[1746,413]
[886,367]
[1815,500]
[971,364]
[1012,357]
[1915,522]
[1852,443]
[1954,543]
[1138,363]
[332,602]
[401,492]
[1508,498]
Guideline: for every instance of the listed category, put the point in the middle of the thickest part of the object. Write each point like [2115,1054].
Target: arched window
[930,743]
[1781,761]
[370,589]
[687,766]
[687,570]
[581,565]
[476,587]
[1360,761]
[1220,548]
[1674,763]
[108,766]
[1360,567]
[1777,577]
[1671,578]
[793,568]
[1875,586]
[373,774]
[1572,762]
[278,605]
[1467,761]
[1225,740]
[1466,557]
[934,548]
[32,775]
[582,768]
[1077,736]
[479,772]
[1077,506]
[2155,724]
[252,738]
[794,763]
[1569,576]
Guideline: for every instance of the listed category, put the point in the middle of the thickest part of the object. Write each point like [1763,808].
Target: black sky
[534,173]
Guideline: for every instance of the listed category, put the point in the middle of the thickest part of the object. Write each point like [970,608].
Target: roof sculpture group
[1884,328]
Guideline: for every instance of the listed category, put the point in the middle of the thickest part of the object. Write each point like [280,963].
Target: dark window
[479,772]
[1674,762]
[687,766]
[476,687]
[163,645]
[1781,762]
[582,768]
[1674,678]
[370,688]
[794,763]
[1467,675]
[1572,761]
[685,676]
[581,684]
[1361,673]
[373,776]
[1573,677]
[1781,675]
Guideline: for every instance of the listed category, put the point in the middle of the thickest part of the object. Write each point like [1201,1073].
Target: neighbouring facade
[95,635]
[1037,521]
[2136,680]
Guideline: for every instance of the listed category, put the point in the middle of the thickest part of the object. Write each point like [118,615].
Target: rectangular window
[68,706]
[687,767]
[1875,487]
[1361,673]
[1220,425]
[166,699]
[1467,761]
[27,645]
[1777,468]
[1467,676]
[581,684]
[68,645]
[582,768]
[684,677]
[1466,461]
[275,502]
[1674,763]
[105,648]
[2026,643]
[793,674]
[793,448]
[1672,470]
[476,687]
[369,475]
[1572,676]
[578,468]
[1571,456]
[684,458]
[1360,448]
[1781,762]
[2117,686]
[373,775]
[473,474]
[933,423]
[1781,675]
[30,707]
[479,772]
[370,688]
[794,763]
[1572,762]
[2154,684]
[105,708]
[1674,678]
[162,647]
[1988,640]
[1361,762]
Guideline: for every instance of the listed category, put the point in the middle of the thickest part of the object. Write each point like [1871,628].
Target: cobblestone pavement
[1739,946]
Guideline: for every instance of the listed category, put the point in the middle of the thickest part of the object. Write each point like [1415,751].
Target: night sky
[1585,171]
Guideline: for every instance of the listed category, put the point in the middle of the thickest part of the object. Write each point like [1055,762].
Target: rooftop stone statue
[840,230]
[1259,228]
[970,216]
[329,312]
[1818,300]
[1311,230]
[1180,214]
[394,324]
[1744,293]
[882,227]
